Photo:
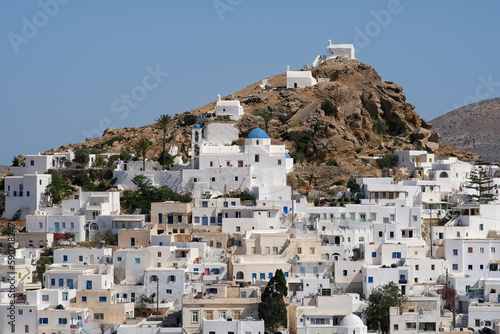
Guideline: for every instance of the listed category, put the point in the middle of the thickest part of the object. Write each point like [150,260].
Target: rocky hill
[474,128]
[335,128]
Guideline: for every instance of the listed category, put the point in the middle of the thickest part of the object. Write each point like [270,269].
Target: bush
[359,149]
[396,126]
[124,155]
[190,119]
[380,127]
[298,157]
[329,108]
[338,182]
[332,162]
[301,140]
[353,186]
[387,161]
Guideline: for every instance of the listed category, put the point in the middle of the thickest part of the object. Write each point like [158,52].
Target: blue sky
[67,67]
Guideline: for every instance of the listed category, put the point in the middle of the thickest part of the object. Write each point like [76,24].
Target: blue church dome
[287,156]
[258,133]
[197,126]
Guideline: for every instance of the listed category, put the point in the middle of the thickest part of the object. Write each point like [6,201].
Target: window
[481,227]
[396,327]
[374,254]
[370,279]
[65,296]
[171,278]
[411,325]
[311,250]
[194,317]
[119,258]
[477,322]
[98,316]
[362,217]
[63,224]
[238,229]
[65,258]
[137,260]
[380,234]
[32,162]
[80,258]
[204,204]
[373,217]
[391,234]
[391,217]
[84,298]
[470,250]
[236,178]
[158,254]
[352,216]
[61,282]
[344,272]
[26,328]
[342,216]
[481,267]
[396,255]
[493,249]
[279,162]
[415,218]
[469,267]
[63,321]
[168,291]
[257,158]
[223,314]
[212,179]
[481,250]
[40,225]
[211,163]
[455,266]
[43,321]
[275,250]
[20,312]
[102,299]
[299,250]
[455,252]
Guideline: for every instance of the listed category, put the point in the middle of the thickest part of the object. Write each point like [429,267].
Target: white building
[236,326]
[335,50]
[82,255]
[299,79]
[257,167]
[418,314]
[25,194]
[231,108]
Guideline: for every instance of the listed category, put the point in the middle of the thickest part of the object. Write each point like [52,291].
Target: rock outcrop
[332,129]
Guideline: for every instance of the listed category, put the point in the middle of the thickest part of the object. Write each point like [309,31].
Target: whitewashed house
[231,108]
[299,79]
[25,194]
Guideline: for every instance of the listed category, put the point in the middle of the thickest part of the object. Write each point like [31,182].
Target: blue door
[56,227]
[89,285]
[302,271]
[70,283]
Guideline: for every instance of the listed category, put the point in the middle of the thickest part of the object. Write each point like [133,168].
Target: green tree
[146,194]
[99,161]
[143,146]
[353,186]
[81,156]
[266,116]
[166,160]
[272,308]
[329,108]
[389,160]
[58,189]
[381,299]
[163,122]
[482,183]
[124,155]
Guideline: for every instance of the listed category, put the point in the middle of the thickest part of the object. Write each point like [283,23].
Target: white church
[218,166]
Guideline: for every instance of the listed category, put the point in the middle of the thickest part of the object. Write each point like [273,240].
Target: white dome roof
[351,320]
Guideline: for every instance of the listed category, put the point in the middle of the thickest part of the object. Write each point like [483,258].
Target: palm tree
[143,146]
[162,122]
